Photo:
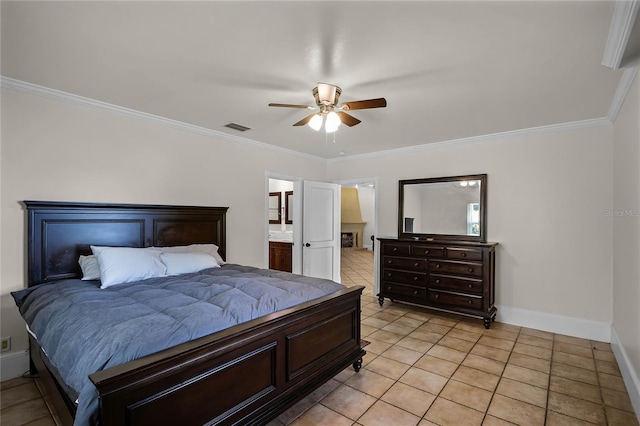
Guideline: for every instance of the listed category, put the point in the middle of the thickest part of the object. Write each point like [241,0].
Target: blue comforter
[84,329]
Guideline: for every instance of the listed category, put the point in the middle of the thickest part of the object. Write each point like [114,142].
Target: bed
[245,374]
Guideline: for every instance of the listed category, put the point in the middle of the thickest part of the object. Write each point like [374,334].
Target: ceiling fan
[326,96]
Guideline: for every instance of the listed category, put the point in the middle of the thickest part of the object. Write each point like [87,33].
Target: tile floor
[423,368]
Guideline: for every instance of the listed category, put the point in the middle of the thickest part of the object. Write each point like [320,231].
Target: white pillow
[126,264]
[184,263]
[90,267]
[210,249]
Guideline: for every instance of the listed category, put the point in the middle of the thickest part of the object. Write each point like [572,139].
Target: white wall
[626,241]
[547,195]
[57,151]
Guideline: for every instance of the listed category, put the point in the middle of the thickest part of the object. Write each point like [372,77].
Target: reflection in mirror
[450,207]
[275,204]
[288,207]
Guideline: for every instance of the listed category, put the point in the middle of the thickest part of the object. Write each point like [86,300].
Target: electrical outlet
[6,344]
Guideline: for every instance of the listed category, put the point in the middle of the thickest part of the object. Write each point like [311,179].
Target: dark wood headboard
[59,232]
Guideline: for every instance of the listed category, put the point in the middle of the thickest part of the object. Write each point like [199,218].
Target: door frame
[376,218]
[296,252]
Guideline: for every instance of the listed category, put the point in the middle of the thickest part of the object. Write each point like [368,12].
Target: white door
[321,230]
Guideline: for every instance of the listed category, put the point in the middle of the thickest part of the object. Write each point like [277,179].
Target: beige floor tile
[321,415]
[445,412]
[601,346]
[530,362]
[296,411]
[415,344]
[574,373]
[408,398]
[615,399]
[383,414]
[495,342]
[455,343]
[400,329]
[574,360]
[501,334]
[577,408]
[409,322]
[557,419]
[386,316]
[370,382]
[535,341]
[612,382]
[608,367]
[522,392]
[325,390]
[525,375]
[535,351]
[516,412]
[464,335]
[348,401]
[424,380]
[18,381]
[423,316]
[436,365]
[400,354]
[476,378]
[484,364]
[427,336]
[494,421]
[376,346]
[443,321]
[620,418]
[375,322]
[24,412]
[472,326]
[386,336]
[446,353]
[21,393]
[467,395]
[491,353]
[576,389]
[572,340]
[387,367]
[44,421]
[573,349]
[604,356]
[435,327]
[536,333]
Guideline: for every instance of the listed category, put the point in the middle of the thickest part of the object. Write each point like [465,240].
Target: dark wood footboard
[247,374]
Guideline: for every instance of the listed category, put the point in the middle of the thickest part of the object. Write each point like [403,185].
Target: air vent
[237,127]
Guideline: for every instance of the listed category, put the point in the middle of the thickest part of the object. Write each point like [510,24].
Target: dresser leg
[381,300]
[487,323]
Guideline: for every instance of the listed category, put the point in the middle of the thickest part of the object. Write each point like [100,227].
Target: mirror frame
[449,237]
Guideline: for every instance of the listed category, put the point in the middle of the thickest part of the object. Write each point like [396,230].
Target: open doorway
[282,223]
[359,217]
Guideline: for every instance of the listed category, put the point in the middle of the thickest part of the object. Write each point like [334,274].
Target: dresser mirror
[444,208]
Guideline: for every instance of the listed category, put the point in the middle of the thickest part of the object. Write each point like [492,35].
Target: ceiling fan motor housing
[326,94]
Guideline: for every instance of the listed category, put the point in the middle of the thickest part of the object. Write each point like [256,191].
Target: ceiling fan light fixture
[316,122]
[332,123]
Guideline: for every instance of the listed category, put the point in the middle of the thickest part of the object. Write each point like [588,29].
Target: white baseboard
[629,373]
[13,364]
[576,327]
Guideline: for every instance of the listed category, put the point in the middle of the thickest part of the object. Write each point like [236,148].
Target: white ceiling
[448,69]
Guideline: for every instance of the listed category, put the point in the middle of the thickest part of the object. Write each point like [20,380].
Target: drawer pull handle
[470,285]
[436,296]
[389,288]
[426,252]
[389,262]
[415,292]
[470,270]
[463,254]
[437,265]
[437,281]
[416,264]
[470,301]
[415,278]
[388,274]
[395,249]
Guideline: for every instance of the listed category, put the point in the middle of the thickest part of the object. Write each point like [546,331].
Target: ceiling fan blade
[305,120]
[290,106]
[347,119]
[369,103]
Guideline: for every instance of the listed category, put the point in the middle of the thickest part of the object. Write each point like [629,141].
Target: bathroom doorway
[283,231]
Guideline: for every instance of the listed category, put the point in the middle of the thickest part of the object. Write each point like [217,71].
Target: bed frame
[247,374]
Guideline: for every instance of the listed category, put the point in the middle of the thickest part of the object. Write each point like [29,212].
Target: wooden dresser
[453,276]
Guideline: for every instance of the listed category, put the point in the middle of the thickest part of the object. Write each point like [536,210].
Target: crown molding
[553,128]
[624,86]
[624,17]
[46,92]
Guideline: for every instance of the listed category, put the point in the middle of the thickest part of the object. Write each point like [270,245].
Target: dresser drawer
[454,267]
[404,263]
[427,251]
[459,300]
[404,290]
[464,253]
[457,284]
[397,249]
[417,278]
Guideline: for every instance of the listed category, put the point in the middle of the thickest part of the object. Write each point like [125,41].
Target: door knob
[307,245]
